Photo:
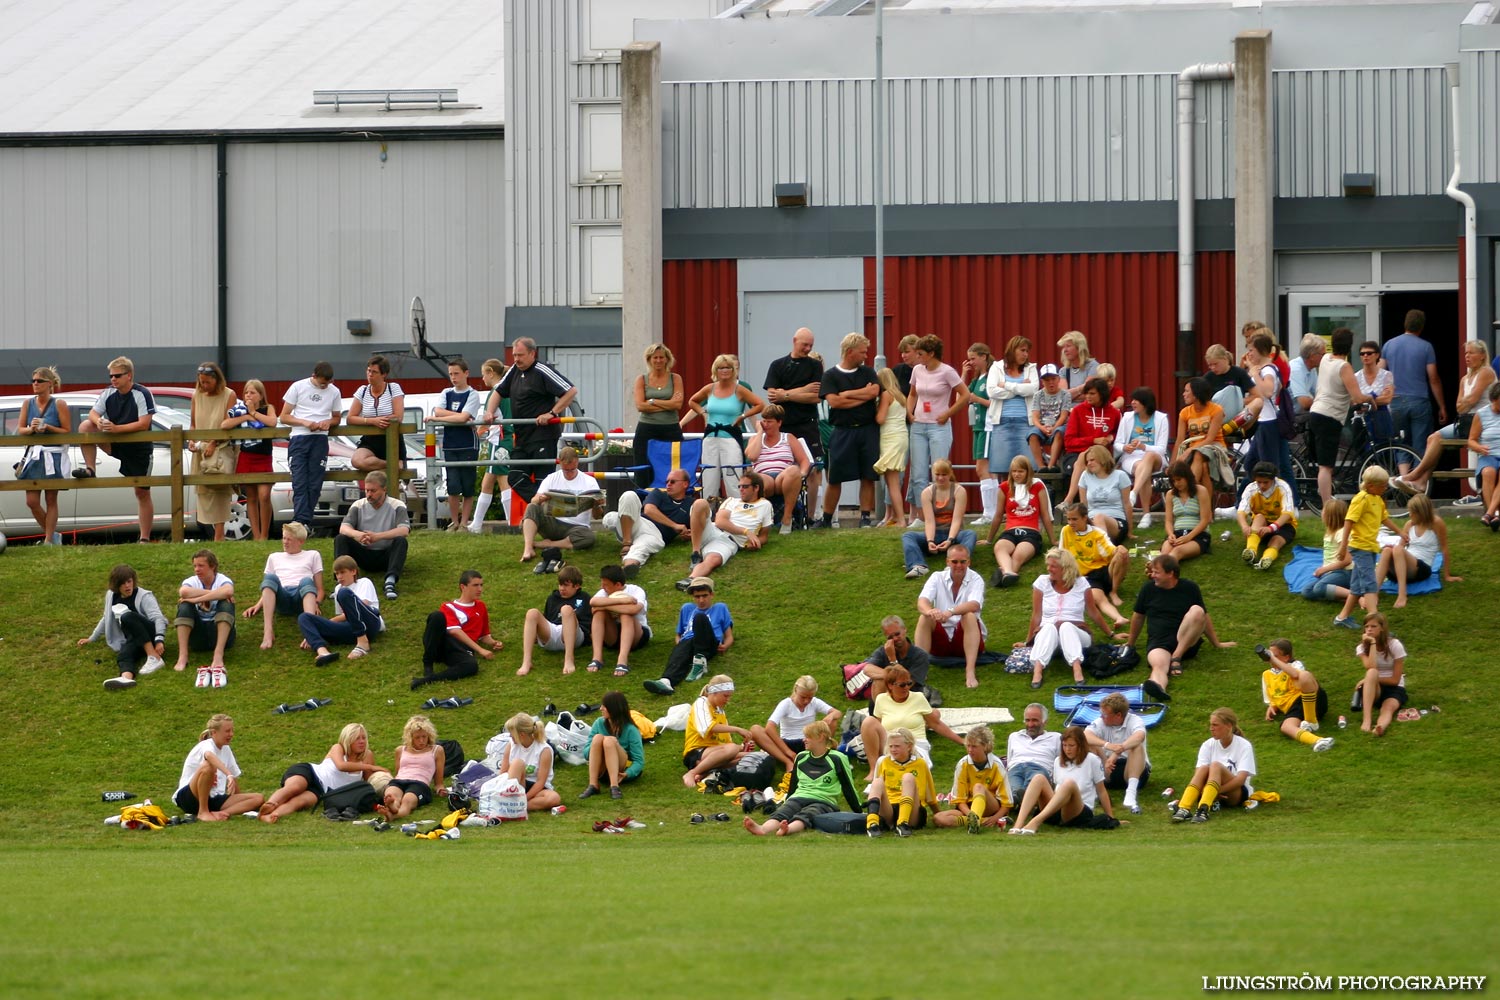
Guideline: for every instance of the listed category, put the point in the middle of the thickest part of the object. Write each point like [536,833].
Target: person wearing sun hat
[705,629]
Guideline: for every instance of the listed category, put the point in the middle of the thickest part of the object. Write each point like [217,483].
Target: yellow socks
[903,812]
[1189,798]
[1210,792]
[1269,557]
[977,806]
[1310,707]
[1306,737]
[1253,543]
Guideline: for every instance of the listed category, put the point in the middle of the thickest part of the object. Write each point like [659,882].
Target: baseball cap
[1048,369]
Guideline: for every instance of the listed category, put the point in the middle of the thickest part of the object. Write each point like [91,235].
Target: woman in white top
[1337,389]
[1377,387]
[1476,381]
[1226,763]
[376,405]
[1076,789]
[210,784]
[528,759]
[304,785]
[1011,383]
[1141,442]
[1413,556]
[1384,684]
[1060,603]
[781,736]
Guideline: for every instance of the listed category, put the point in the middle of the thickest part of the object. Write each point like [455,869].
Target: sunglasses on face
[115,375]
[902,684]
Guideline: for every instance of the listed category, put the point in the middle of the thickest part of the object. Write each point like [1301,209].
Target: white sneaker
[1224,513]
[786,529]
[220,678]
[1134,807]
[1323,744]
[1308,727]
[916,572]
[1144,523]
[915,522]
[981,520]
[476,528]
[153,664]
[204,679]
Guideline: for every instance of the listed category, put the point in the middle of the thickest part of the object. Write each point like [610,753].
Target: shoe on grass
[153,664]
[916,572]
[1348,623]
[973,822]
[659,686]
[1249,556]
[1201,816]
[872,826]
[119,683]
[1323,744]
[903,831]
[1181,815]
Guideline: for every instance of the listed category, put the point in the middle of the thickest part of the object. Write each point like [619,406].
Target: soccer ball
[3,542]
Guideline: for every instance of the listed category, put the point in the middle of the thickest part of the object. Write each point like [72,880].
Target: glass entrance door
[1323,312]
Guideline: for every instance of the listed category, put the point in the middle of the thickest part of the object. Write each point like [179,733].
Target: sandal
[1174,669]
[1409,715]
[358,653]
[622,669]
[326,659]
[595,666]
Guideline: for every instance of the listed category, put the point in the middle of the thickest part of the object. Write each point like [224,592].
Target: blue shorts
[1020,776]
[1362,572]
[1487,462]
[289,600]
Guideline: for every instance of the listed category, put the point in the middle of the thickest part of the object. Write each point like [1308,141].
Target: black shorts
[1295,712]
[691,758]
[1117,533]
[1099,579]
[803,809]
[795,746]
[1323,434]
[421,789]
[1286,532]
[1018,535]
[918,817]
[1205,539]
[1389,692]
[134,459]
[642,637]
[375,444]
[461,478]
[1191,654]
[306,772]
[1116,778]
[852,453]
[1085,817]
[188,802]
[1422,572]
[811,435]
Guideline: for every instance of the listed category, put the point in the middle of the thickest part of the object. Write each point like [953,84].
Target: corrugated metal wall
[1125,303]
[321,233]
[952,141]
[1480,79]
[536,149]
[107,247]
[1394,123]
[596,372]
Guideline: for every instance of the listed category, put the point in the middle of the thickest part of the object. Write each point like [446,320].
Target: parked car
[100,509]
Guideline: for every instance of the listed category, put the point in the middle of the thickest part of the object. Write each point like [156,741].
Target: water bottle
[117,796]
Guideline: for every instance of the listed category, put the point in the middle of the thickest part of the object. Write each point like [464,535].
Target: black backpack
[453,757]
[1106,661]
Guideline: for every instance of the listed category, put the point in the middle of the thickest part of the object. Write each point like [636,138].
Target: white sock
[1130,789]
[505,498]
[481,507]
[989,497]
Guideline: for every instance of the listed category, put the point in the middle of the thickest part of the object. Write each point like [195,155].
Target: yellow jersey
[1278,689]
[1269,505]
[701,719]
[1092,549]
[968,776]
[1366,515]
[891,772]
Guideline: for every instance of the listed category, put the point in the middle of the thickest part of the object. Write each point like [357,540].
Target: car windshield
[171,416]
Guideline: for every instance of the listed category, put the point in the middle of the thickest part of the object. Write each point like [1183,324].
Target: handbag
[221,463]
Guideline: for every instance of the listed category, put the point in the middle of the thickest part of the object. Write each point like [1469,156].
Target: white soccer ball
[3,542]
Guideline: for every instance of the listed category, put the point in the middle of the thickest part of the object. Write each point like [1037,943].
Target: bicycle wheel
[1389,457]
[1307,484]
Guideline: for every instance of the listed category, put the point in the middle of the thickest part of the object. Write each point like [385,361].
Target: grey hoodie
[145,606]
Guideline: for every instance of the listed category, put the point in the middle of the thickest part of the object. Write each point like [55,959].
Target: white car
[100,509]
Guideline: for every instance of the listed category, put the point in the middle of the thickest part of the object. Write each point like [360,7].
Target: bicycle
[1357,452]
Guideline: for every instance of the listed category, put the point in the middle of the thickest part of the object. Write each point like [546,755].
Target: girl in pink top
[419,770]
[937,394]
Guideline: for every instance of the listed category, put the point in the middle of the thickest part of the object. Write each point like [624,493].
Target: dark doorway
[1442,331]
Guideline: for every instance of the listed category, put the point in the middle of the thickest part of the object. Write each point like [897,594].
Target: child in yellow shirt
[981,796]
[901,789]
[1358,543]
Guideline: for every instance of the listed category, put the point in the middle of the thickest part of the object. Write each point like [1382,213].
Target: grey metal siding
[1099,137]
[1391,122]
[1480,86]
[321,233]
[537,47]
[596,372]
[106,247]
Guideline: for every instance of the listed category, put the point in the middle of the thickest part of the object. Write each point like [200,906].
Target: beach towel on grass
[1299,573]
[961,720]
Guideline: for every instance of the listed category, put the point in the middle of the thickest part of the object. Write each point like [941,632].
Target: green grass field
[1374,862]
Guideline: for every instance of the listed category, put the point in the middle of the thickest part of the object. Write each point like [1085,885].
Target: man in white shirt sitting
[1118,737]
[740,524]
[546,517]
[1031,751]
[950,604]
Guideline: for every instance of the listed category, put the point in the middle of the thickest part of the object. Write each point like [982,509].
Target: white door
[1324,312]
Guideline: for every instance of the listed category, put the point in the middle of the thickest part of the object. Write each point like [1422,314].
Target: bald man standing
[792,383]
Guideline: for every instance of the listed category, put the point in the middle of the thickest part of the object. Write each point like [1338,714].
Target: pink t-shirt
[290,569]
[934,391]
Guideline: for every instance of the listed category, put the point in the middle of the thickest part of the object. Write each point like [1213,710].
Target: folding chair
[664,456]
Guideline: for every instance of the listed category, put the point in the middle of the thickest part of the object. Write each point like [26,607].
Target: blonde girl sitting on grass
[419,770]
[528,759]
[980,796]
[1331,580]
[901,793]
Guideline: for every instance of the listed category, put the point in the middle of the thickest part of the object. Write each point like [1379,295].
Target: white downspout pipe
[1185,248]
[1471,228]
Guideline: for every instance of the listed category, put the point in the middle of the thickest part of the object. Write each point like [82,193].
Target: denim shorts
[1362,573]
[288,599]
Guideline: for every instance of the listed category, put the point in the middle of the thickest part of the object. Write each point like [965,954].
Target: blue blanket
[1299,573]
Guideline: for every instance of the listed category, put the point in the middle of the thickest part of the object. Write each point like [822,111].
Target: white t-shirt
[1056,607]
[749,515]
[291,569]
[195,759]
[533,756]
[332,778]
[791,720]
[1103,493]
[1119,734]
[207,611]
[1385,663]
[1020,748]
[1238,757]
[939,590]
[558,482]
[308,402]
[1268,411]
[1086,776]
[636,594]
[364,589]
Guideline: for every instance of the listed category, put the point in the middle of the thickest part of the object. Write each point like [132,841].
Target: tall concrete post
[1254,184]
[640,210]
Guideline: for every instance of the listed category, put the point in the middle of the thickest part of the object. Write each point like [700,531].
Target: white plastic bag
[503,798]
[570,745]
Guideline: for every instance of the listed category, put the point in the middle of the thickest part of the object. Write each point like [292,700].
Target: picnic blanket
[1086,712]
[1070,696]
[1299,573]
[961,720]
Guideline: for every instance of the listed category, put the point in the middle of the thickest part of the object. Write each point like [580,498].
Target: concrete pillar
[640,210]
[1254,182]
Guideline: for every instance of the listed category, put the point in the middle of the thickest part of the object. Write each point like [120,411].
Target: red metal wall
[1126,303]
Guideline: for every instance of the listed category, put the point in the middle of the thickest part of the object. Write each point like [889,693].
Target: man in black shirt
[538,392]
[1176,623]
[852,392]
[792,383]
[645,528]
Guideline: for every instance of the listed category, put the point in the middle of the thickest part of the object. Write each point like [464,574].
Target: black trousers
[390,561]
[439,647]
[702,641]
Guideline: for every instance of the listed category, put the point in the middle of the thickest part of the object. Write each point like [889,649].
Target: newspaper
[571,504]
